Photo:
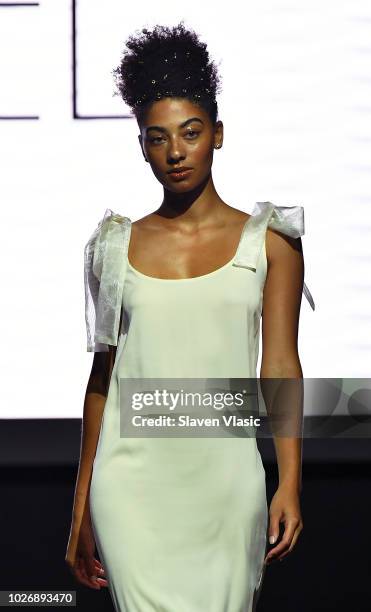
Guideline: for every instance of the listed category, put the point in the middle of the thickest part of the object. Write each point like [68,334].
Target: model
[181,523]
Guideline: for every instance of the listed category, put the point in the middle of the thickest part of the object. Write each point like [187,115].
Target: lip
[180,174]
[179,169]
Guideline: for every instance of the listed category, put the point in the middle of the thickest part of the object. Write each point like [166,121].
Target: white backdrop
[295,107]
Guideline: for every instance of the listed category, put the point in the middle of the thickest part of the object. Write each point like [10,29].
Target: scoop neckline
[191,278]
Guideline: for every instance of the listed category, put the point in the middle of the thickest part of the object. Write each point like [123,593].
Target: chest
[177,255]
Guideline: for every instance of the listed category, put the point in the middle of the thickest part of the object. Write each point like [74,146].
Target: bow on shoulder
[104,274]
[286,219]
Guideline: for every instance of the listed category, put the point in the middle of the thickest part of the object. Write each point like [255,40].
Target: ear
[218,134]
[141,146]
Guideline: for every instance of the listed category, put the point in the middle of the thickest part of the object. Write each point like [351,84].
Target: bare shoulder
[144,222]
[280,245]
[237,216]
[149,237]
[150,224]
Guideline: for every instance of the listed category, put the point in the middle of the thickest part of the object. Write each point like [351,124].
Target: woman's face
[177,133]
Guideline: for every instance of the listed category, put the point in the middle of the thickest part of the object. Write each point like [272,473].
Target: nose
[174,152]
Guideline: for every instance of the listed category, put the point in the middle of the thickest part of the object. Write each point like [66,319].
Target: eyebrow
[162,129]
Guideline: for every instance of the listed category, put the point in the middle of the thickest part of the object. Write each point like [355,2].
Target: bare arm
[280,323]
[280,360]
[95,399]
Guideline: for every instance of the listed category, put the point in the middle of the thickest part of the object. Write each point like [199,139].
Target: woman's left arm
[280,360]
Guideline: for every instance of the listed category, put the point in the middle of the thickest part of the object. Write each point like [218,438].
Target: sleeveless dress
[180,523]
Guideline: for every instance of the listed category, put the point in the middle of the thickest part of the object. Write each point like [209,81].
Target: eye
[155,139]
[192,132]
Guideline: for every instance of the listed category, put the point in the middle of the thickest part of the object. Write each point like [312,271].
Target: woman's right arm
[95,399]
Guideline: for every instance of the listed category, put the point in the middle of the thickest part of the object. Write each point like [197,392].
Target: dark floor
[329,569]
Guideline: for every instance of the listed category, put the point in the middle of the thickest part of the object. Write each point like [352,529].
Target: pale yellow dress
[180,523]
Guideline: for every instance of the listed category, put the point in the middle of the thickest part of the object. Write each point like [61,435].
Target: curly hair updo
[167,62]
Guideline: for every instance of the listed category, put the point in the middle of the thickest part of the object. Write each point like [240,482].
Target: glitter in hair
[167,62]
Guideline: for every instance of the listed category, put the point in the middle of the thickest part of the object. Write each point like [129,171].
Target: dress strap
[105,262]
[286,219]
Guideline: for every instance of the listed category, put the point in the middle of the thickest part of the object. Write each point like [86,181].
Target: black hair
[167,62]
